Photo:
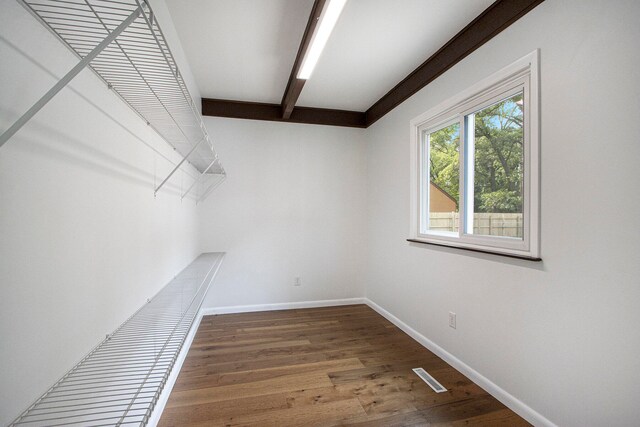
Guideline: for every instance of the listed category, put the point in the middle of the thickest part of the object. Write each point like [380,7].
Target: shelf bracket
[199,178]
[177,167]
[211,188]
[69,76]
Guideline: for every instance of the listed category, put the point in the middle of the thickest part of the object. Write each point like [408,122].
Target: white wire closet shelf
[121,41]
[120,381]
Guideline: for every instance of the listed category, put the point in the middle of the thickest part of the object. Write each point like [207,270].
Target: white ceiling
[244,49]
[241,49]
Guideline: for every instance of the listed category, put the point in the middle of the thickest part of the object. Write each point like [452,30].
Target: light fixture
[328,18]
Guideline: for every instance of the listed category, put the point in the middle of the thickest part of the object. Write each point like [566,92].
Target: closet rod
[69,76]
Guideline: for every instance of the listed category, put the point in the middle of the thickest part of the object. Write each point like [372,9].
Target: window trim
[523,73]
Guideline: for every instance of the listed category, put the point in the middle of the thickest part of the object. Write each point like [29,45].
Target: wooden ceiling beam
[500,15]
[273,112]
[295,85]
[488,24]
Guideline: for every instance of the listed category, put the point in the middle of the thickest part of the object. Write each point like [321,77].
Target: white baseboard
[507,399]
[281,306]
[166,391]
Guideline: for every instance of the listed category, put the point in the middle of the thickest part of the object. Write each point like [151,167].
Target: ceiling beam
[295,85]
[488,24]
[273,112]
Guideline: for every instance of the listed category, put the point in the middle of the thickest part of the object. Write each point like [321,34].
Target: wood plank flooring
[320,367]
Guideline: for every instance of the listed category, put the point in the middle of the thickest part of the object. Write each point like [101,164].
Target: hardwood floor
[320,367]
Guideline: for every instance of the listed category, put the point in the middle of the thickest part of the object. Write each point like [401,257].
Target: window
[475,166]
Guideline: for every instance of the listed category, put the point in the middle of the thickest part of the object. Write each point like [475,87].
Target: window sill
[527,258]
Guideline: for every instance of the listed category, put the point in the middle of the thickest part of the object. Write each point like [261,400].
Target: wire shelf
[120,381]
[139,67]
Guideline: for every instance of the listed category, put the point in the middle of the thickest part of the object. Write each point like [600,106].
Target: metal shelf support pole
[177,167]
[69,76]
[199,178]
[211,188]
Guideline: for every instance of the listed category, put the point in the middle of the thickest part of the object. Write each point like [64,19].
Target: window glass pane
[496,134]
[443,178]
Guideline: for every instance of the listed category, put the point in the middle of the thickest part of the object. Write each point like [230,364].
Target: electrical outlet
[297,281]
[452,319]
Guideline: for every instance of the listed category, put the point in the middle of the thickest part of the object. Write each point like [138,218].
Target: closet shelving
[121,41]
[122,379]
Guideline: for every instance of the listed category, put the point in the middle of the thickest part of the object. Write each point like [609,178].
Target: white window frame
[521,76]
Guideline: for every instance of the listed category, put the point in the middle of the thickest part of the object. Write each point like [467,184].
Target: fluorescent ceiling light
[328,19]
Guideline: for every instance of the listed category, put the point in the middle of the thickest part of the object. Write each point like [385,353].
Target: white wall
[293,205]
[562,335]
[83,242]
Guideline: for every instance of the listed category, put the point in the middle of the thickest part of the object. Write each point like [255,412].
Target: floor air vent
[435,385]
